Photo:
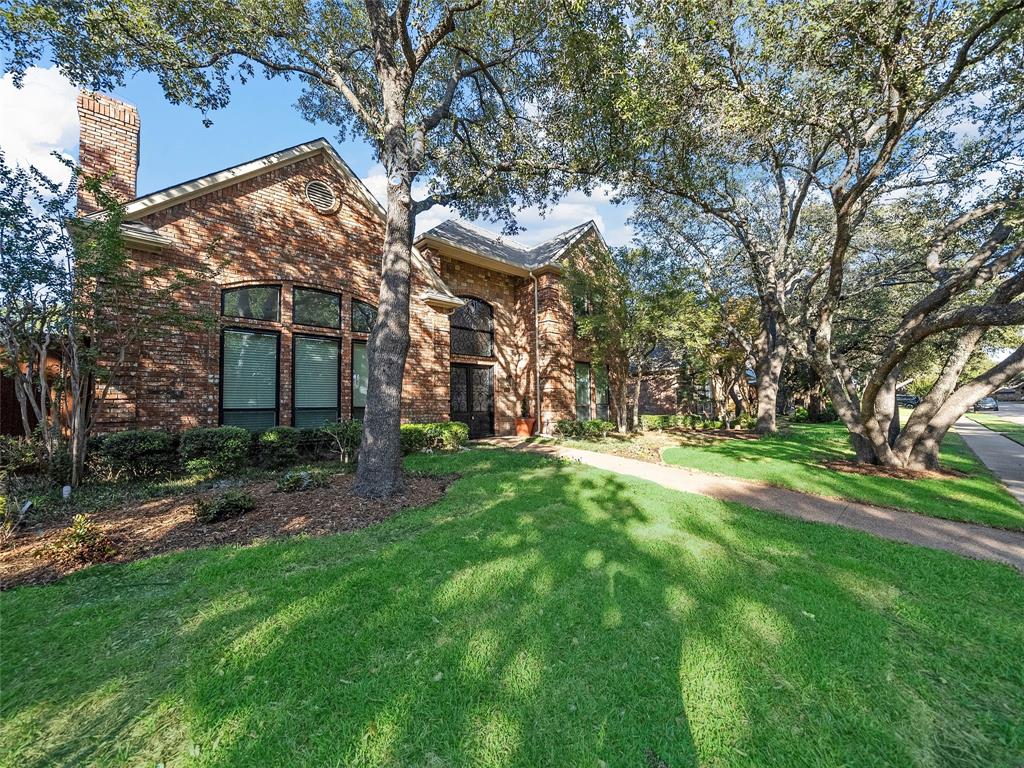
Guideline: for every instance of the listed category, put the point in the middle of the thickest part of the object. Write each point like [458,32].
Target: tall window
[315,373]
[582,391]
[255,302]
[601,392]
[473,329]
[360,375]
[249,379]
[319,308]
[363,316]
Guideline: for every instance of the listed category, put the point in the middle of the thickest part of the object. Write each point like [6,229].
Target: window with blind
[582,391]
[255,302]
[472,327]
[601,392]
[249,379]
[363,316]
[319,308]
[360,375]
[315,375]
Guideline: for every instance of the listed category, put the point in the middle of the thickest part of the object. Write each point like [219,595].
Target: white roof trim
[165,198]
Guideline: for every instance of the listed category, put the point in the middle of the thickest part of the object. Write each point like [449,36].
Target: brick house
[294,242]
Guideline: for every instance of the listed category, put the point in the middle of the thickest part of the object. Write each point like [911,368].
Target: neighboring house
[296,240]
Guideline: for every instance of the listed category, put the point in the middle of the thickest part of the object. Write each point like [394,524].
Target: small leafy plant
[302,480]
[81,542]
[228,504]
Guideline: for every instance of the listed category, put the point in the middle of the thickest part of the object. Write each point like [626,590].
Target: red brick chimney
[108,143]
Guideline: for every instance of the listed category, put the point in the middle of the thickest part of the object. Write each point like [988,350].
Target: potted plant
[524,424]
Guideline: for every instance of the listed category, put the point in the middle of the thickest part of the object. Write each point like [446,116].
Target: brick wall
[262,231]
[557,349]
[109,143]
[511,300]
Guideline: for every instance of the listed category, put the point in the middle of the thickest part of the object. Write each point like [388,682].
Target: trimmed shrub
[651,422]
[221,449]
[278,447]
[597,428]
[80,542]
[799,415]
[302,480]
[228,504]
[569,428]
[435,436]
[139,452]
[344,437]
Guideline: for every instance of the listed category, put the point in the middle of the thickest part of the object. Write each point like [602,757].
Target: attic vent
[321,196]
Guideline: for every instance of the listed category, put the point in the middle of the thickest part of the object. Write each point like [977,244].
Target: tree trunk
[636,396]
[379,471]
[772,350]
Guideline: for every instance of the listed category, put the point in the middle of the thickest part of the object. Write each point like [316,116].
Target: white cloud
[572,210]
[39,118]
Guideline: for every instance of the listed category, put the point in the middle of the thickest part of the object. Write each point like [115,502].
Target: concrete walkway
[976,541]
[997,452]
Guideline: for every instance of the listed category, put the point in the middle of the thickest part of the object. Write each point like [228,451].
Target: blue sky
[176,146]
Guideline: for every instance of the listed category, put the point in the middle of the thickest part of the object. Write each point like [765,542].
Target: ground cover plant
[1008,428]
[798,459]
[541,613]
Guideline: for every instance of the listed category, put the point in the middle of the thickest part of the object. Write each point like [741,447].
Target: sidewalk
[997,452]
[974,541]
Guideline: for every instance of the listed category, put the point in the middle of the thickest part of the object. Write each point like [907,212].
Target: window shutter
[316,381]
[250,370]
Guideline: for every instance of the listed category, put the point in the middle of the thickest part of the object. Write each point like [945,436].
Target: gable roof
[479,242]
[140,235]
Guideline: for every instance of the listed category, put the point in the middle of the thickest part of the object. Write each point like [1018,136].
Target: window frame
[352,387]
[277,373]
[341,305]
[351,312]
[223,300]
[341,367]
[452,325]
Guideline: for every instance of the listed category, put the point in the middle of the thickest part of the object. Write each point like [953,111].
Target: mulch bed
[873,470]
[143,529]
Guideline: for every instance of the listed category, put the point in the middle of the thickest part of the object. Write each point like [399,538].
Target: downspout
[536,351]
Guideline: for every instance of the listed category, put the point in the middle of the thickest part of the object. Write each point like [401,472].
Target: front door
[472,398]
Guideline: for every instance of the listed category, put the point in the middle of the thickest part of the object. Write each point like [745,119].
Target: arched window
[473,329]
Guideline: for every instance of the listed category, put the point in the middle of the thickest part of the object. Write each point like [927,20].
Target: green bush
[228,504]
[597,428]
[220,449]
[435,436]
[569,428]
[746,421]
[302,480]
[652,422]
[799,415]
[139,452]
[344,437]
[315,443]
[17,454]
[278,447]
[81,542]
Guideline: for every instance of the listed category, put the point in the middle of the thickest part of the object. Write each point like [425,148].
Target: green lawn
[792,459]
[1013,431]
[542,614]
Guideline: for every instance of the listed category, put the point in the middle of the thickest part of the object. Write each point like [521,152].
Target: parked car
[908,401]
[986,404]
